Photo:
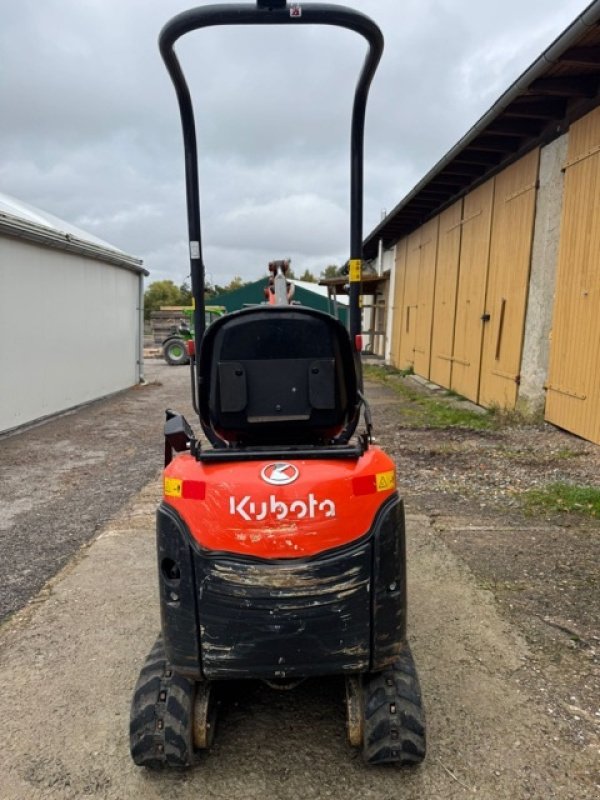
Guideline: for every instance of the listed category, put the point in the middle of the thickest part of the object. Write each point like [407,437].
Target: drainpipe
[140,362]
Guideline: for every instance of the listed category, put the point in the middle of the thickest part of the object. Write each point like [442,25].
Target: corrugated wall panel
[425,296]
[573,399]
[472,281]
[508,280]
[446,284]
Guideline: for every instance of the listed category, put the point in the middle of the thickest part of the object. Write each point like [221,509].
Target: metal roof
[23,221]
[319,288]
[369,284]
[558,88]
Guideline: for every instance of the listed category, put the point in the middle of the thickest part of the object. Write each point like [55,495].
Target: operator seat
[278,375]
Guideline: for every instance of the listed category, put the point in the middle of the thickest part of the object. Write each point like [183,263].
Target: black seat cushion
[277,375]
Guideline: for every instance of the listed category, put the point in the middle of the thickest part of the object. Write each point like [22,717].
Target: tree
[331,271]
[307,276]
[186,294]
[235,283]
[161,293]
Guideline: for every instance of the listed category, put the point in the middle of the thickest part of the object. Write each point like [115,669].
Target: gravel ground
[544,569]
[60,482]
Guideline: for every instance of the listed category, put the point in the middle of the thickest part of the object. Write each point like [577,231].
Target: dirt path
[68,663]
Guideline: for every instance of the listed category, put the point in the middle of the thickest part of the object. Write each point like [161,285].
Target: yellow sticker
[385,480]
[355,270]
[173,487]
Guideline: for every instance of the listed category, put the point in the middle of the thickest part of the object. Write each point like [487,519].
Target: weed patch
[557,497]
[421,411]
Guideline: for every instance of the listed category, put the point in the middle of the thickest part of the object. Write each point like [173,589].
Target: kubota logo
[279,474]
[249,509]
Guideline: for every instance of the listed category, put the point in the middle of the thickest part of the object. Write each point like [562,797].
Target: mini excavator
[280,536]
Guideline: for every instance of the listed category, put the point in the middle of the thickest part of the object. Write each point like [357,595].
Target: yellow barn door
[410,301]
[573,399]
[425,293]
[398,301]
[508,281]
[472,281]
[446,282]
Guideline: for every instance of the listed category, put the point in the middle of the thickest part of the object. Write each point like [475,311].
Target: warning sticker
[355,271]
[385,480]
[173,487]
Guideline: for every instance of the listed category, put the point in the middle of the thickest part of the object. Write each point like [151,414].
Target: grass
[565,497]
[537,456]
[565,453]
[421,411]
[515,417]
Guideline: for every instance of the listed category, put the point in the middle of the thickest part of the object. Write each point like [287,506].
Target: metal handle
[500,328]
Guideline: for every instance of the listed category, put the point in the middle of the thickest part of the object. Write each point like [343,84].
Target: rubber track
[160,729]
[394,725]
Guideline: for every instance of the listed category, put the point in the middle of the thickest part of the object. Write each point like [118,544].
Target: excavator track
[162,715]
[393,725]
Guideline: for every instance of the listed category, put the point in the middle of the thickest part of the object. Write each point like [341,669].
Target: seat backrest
[277,375]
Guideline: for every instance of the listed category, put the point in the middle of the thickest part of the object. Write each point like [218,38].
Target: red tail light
[194,490]
[366,484]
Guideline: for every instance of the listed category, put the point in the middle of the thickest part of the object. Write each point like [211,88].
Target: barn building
[71,316]
[495,285]
[307,294]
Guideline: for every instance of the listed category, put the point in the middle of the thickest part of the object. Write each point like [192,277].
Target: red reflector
[366,484]
[191,347]
[358,342]
[193,490]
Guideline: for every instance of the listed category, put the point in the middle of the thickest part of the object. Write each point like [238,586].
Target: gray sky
[90,127]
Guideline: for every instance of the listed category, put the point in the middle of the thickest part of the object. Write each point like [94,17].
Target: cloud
[90,128]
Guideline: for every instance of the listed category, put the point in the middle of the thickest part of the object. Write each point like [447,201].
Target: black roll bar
[277,14]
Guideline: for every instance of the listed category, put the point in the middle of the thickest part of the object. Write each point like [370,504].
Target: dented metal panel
[284,620]
[228,616]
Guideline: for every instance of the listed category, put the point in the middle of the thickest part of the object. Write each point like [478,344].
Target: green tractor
[174,347]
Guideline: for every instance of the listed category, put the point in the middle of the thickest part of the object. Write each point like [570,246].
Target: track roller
[355,712]
[172,716]
[205,716]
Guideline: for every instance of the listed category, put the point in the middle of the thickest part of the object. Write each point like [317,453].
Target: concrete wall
[69,328]
[538,324]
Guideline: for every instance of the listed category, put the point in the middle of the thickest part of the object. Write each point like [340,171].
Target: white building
[71,316]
